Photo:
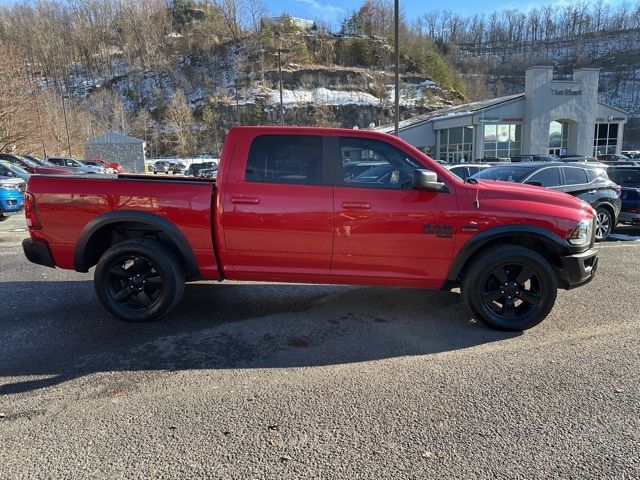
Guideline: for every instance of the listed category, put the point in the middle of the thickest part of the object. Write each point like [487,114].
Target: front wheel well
[540,245]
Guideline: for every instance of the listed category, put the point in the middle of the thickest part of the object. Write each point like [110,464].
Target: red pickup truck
[296,205]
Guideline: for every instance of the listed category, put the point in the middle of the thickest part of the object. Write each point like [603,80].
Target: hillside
[180,75]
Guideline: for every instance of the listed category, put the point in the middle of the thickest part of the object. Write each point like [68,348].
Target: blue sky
[334,10]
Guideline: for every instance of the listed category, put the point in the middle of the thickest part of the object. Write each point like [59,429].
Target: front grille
[593,232]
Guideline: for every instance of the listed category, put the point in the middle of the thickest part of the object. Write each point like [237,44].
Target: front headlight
[580,236]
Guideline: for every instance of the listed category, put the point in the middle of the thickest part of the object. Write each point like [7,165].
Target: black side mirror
[427,180]
[535,184]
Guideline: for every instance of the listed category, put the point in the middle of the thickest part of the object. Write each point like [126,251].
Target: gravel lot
[296,381]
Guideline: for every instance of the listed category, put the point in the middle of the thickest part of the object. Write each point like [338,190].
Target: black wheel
[139,280]
[510,288]
[604,223]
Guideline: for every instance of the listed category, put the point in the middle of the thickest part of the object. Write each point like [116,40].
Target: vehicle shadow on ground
[60,331]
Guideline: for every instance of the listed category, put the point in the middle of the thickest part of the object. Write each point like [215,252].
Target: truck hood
[534,198]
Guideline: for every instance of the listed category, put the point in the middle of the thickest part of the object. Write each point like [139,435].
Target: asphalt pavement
[252,381]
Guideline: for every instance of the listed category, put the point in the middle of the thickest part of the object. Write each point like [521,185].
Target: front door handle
[245,200]
[592,191]
[360,205]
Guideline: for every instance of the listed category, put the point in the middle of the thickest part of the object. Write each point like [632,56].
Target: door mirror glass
[427,180]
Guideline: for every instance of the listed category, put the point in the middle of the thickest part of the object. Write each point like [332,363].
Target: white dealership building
[551,116]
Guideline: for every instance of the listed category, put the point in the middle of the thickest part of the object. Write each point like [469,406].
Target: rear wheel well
[537,244]
[109,235]
[609,207]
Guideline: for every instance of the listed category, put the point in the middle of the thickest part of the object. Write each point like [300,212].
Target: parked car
[179,168]
[77,165]
[630,212]
[631,153]
[621,163]
[97,164]
[111,167]
[534,158]
[11,196]
[282,210]
[208,172]
[578,159]
[33,167]
[586,182]
[8,169]
[161,167]
[352,169]
[465,170]
[194,168]
[611,157]
[625,176]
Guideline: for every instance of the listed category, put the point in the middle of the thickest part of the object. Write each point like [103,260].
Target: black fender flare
[475,243]
[123,216]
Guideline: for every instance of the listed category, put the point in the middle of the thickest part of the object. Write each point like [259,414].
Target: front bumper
[577,269]
[38,252]
[10,206]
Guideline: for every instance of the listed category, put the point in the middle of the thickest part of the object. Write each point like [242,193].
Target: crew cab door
[385,231]
[277,209]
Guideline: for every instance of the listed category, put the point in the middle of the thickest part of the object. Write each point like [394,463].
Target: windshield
[29,162]
[505,174]
[19,171]
[46,163]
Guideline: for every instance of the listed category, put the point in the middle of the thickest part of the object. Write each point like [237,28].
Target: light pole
[396,15]
[280,77]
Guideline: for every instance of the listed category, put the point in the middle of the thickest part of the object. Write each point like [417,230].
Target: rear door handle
[245,200]
[592,191]
[360,205]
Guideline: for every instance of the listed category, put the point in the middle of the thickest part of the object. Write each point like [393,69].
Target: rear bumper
[577,269]
[38,252]
[627,217]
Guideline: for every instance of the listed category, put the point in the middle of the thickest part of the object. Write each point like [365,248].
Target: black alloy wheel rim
[134,282]
[511,291]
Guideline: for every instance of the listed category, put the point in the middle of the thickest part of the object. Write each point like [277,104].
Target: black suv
[194,168]
[587,182]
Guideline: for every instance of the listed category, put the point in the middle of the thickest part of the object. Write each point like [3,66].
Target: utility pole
[280,75]
[396,21]
[66,124]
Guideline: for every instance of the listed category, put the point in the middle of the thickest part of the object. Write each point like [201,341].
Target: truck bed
[71,208]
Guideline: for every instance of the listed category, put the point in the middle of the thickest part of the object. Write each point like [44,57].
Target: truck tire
[510,288]
[139,280]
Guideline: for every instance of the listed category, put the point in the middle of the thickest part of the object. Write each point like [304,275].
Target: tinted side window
[548,177]
[285,159]
[386,166]
[575,176]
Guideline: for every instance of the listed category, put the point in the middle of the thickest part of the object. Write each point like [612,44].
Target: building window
[456,144]
[605,139]
[502,141]
[558,137]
